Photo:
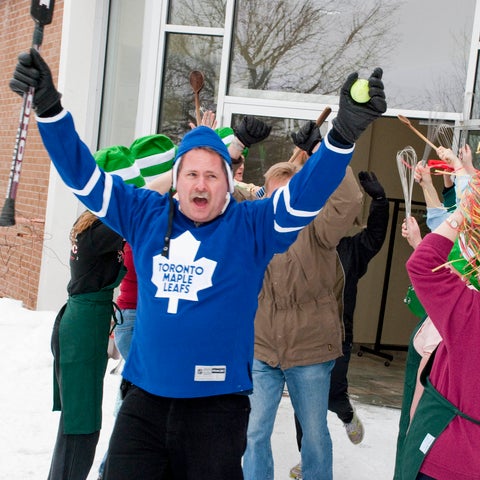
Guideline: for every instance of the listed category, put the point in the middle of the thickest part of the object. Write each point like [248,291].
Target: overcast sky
[427,51]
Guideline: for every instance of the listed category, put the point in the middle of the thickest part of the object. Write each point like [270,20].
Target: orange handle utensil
[197,81]
[321,118]
[407,122]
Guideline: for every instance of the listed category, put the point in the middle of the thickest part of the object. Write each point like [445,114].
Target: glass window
[311,46]
[185,53]
[207,13]
[475,102]
[277,147]
[122,73]
[473,140]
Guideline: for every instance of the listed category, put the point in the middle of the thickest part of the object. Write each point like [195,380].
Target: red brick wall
[21,244]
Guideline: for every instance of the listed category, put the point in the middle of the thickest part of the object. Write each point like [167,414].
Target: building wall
[34,253]
[80,80]
[21,245]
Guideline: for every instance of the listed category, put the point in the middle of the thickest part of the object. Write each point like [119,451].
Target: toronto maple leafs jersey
[195,315]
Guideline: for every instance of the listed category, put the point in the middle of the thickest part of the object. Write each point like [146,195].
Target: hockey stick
[42,13]
[319,122]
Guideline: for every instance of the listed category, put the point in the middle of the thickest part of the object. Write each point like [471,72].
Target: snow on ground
[29,427]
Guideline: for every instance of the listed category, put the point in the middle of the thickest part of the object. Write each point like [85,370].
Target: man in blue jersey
[185,414]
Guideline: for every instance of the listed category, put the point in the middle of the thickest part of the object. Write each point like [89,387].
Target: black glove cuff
[246,142]
[312,146]
[335,135]
[52,111]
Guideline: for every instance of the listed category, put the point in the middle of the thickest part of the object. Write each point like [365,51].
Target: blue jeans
[123,339]
[308,387]
[124,331]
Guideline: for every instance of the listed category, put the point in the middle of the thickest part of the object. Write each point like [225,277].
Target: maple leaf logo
[180,277]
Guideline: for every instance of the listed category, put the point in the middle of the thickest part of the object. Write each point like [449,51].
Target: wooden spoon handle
[197,109]
[407,122]
[197,81]
[323,116]
[319,122]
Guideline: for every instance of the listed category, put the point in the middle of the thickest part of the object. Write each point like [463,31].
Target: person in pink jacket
[443,440]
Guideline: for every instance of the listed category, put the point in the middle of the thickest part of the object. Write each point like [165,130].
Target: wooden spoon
[407,122]
[321,118]
[197,81]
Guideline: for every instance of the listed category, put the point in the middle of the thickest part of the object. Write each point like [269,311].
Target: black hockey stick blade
[7,217]
[42,11]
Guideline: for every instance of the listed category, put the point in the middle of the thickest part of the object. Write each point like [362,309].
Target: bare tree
[308,46]
[305,46]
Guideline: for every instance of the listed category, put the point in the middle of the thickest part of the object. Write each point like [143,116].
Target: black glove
[353,118]
[371,185]
[307,137]
[252,130]
[32,71]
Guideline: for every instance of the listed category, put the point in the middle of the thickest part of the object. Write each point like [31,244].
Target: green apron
[411,369]
[79,344]
[432,416]
[413,303]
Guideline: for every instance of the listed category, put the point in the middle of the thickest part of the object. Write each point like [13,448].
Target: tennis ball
[359,91]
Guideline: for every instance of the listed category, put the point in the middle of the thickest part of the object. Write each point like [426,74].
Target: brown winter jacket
[297,321]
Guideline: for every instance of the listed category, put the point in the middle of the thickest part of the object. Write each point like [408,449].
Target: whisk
[445,136]
[407,162]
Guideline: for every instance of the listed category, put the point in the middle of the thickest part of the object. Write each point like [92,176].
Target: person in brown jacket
[298,332]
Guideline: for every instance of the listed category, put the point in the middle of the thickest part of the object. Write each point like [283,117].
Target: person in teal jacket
[186,410]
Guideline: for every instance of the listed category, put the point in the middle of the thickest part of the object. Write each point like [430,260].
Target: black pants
[158,438]
[338,399]
[73,455]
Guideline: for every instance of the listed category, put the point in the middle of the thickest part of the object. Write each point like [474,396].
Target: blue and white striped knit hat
[203,137]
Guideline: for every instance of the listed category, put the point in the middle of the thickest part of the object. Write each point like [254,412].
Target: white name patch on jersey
[210,373]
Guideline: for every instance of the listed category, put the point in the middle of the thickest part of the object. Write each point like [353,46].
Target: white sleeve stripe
[333,148]
[53,119]
[86,190]
[280,229]
[276,194]
[286,196]
[107,194]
